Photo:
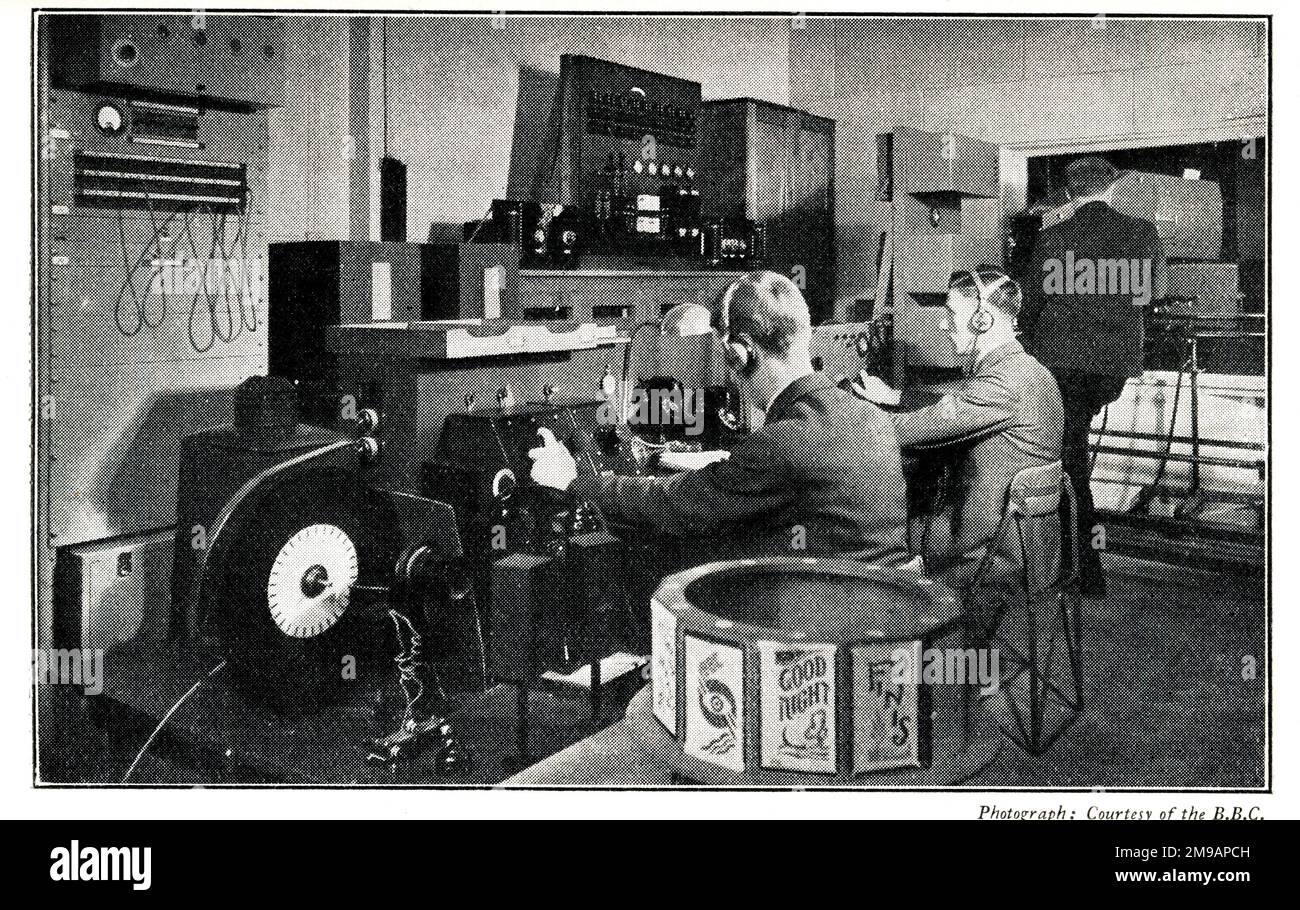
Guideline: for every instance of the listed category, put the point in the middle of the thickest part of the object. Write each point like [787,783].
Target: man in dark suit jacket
[822,476]
[1087,280]
[1006,412]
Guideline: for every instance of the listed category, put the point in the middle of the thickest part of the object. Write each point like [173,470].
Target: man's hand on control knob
[553,465]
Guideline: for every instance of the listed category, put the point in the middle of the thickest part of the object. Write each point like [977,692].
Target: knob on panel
[109,119]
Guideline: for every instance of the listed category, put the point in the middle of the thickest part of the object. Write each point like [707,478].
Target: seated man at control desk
[1007,411]
[821,477]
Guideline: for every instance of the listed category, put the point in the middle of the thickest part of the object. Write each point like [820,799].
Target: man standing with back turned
[1085,324]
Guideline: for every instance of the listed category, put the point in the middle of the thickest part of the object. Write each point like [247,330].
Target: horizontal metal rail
[1184,440]
[1210,461]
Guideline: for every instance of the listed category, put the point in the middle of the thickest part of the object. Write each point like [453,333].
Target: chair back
[1031,556]
[1033,528]
[1041,689]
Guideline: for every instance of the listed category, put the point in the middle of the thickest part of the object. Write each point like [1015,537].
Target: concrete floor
[1168,705]
[1167,701]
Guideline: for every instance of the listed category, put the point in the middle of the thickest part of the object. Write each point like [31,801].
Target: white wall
[1018,82]
[453,86]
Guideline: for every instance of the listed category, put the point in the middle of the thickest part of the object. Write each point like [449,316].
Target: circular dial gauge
[503,483]
[108,118]
[311,581]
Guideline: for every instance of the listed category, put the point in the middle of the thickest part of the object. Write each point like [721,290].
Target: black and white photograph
[630,400]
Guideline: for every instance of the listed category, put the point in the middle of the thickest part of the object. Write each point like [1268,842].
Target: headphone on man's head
[982,320]
[739,352]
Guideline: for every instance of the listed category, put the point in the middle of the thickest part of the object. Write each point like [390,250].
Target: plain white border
[18,799]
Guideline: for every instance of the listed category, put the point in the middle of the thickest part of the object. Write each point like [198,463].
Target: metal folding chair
[1025,603]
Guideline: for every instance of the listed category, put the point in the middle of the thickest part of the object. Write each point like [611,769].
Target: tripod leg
[521,718]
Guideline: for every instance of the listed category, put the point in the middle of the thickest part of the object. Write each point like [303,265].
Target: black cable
[408,661]
[478,227]
[1105,419]
[231,301]
[243,292]
[194,301]
[383,75]
[627,366]
[156,262]
[1165,343]
[220,263]
[1169,438]
[128,281]
[216,225]
[223,257]
[166,717]
[204,294]
[142,320]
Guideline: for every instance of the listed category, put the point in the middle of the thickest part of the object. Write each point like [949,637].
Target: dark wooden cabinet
[776,166]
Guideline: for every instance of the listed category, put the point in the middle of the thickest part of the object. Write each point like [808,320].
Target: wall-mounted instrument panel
[234,61]
[149,182]
[155,296]
[154,271]
[151,254]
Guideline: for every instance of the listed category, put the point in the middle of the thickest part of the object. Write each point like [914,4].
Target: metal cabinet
[775,165]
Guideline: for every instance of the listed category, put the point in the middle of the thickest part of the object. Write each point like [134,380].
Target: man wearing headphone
[1006,411]
[822,476]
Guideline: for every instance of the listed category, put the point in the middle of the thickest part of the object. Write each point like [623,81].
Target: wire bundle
[231,307]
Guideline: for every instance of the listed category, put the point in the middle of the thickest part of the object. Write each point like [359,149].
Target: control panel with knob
[482,458]
[843,349]
[539,558]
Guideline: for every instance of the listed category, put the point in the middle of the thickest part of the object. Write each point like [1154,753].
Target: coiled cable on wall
[138,302]
[214,300]
[231,308]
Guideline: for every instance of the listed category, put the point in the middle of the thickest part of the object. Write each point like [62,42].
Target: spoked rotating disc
[284,599]
[311,580]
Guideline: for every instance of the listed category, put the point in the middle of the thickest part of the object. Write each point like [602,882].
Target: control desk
[559,585]
[565,591]
[482,469]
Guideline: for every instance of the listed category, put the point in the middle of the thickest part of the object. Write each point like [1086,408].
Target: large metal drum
[794,671]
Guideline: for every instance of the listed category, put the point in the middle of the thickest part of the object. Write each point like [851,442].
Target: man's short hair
[765,306]
[999,294]
[1089,176]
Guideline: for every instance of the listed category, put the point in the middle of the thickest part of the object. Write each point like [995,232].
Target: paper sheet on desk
[615,665]
[874,390]
[690,461]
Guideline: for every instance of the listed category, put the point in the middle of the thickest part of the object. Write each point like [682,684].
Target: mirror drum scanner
[801,671]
